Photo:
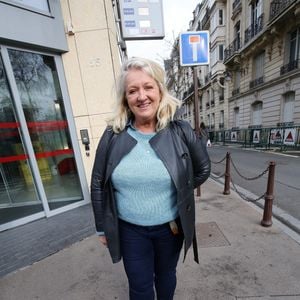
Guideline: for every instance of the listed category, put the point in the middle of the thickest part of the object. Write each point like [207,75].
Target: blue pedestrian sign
[194,48]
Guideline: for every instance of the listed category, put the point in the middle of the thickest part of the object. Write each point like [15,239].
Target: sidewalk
[239,259]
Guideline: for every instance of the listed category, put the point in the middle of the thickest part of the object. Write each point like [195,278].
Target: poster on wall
[276,136]
[256,136]
[289,136]
[233,136]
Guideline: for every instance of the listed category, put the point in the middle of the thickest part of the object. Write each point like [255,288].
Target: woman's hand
[103,240]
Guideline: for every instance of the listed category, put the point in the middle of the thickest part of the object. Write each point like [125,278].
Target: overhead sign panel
[142,19]
[194,48]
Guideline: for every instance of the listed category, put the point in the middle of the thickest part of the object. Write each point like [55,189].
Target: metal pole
[269,196]
[196,114]
[227,175]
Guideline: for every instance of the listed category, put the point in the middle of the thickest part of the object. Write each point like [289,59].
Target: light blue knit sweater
[144,191]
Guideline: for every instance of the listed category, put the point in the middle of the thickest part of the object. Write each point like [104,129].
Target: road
[251,163]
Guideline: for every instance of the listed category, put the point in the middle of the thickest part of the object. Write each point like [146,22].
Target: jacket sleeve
[98,177]
[198,152]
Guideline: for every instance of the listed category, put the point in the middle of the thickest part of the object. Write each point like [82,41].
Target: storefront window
[18,196]
[41,98]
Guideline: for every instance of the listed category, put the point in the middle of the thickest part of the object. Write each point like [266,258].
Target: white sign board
[194,48]
[289,136]
[256,136]
[141,19]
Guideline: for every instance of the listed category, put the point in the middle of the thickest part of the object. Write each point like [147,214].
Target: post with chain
[227,175]
[269,196]
[196,109]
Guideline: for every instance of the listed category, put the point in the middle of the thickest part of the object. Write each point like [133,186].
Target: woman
[145,171]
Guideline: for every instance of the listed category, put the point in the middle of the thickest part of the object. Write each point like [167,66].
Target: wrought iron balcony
[289,67]
[277,6]
[232,48]
[256,82]
[254,29]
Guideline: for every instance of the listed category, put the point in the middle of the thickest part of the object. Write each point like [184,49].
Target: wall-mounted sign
[194,48]
[142,19]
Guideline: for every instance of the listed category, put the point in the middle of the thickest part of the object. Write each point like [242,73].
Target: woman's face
[142,94]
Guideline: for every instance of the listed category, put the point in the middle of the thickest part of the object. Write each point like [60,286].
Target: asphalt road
[251,163]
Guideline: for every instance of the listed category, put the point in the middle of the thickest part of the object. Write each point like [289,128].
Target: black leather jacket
[184,156]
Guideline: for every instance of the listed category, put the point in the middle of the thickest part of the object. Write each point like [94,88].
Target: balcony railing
[256,82]
[232,48]
[289,67]
[254,29]
[277,6]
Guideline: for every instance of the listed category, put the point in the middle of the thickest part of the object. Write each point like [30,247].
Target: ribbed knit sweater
[144,191]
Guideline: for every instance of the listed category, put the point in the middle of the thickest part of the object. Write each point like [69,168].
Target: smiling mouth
[144,105]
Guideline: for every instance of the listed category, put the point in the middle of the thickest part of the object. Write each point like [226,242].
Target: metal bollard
[269,196]
[227,175]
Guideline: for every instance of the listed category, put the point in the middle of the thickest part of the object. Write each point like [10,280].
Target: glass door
[18,195]
[41,98]
[38,170]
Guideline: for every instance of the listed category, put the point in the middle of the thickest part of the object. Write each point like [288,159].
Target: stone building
[250,91]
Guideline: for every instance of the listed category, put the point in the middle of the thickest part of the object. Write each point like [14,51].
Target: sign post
[194,51]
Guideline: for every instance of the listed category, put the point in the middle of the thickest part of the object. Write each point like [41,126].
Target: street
[251,163]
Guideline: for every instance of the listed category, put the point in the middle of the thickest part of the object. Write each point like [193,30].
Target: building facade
[250,91]
[262,62]
[58,64]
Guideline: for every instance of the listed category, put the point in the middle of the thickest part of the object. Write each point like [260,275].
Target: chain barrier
[249,178]
[248,199]
[218,162]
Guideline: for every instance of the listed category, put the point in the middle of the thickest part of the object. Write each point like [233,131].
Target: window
[288,107]
[236,117]
[221,117]
[221,19]
[237,36]
[217,19]
[237,80]
[256,113]
[294,45]
[221,52]
[256,11]
[208,121]
[212,120]
[259,64]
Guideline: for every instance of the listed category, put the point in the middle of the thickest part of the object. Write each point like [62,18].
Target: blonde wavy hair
[168,104]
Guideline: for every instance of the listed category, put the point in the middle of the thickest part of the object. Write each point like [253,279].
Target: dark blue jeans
[150,256]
